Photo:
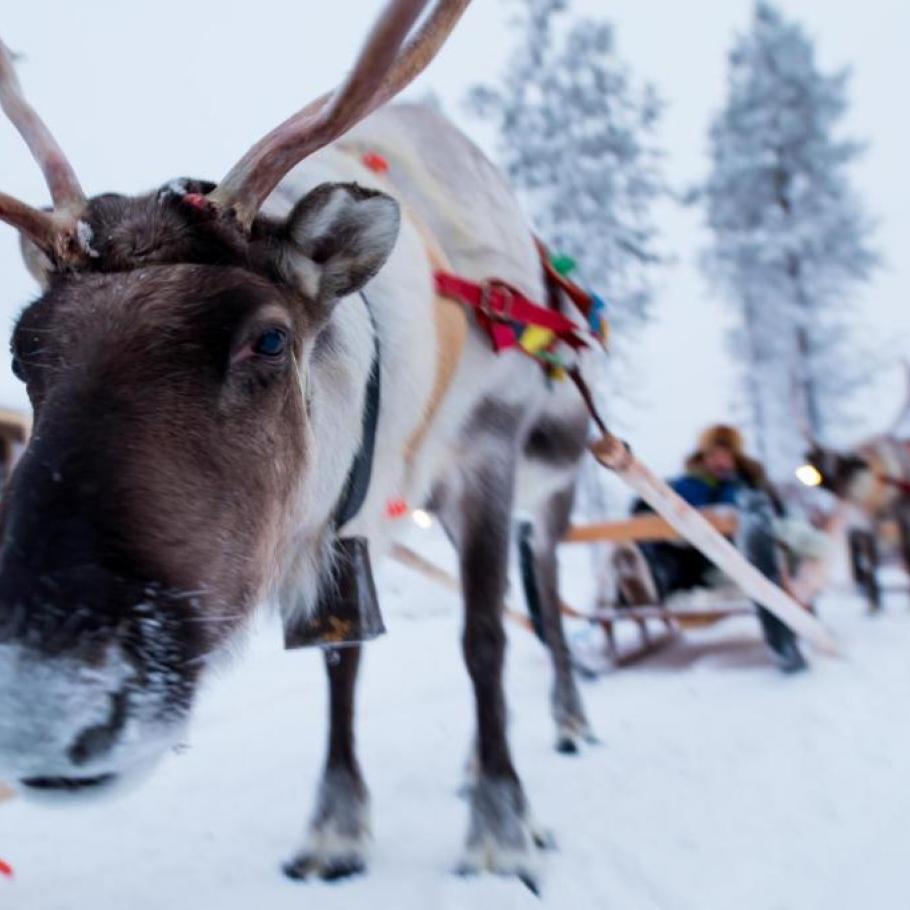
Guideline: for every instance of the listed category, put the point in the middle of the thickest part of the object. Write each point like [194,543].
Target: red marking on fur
[375,162]
[197,201]
[396,508]
[6,869]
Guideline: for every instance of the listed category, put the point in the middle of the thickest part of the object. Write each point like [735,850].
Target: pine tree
[576,137]
[790,240]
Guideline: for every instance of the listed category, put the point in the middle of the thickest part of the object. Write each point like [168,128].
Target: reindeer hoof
[569,737]
[566,745]
[502,838]
[327,868]
[544,839]
[528,876]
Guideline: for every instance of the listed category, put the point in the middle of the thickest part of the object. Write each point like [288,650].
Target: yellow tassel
[535,338]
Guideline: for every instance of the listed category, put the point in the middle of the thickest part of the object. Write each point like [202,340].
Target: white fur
[438,174]
[53,700]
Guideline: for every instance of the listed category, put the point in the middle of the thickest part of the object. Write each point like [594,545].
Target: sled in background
[700,606]
[672,618]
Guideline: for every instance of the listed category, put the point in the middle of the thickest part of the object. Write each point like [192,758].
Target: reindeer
[874,477]
[198,363]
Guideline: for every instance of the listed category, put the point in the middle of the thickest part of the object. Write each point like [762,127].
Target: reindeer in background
[874,478]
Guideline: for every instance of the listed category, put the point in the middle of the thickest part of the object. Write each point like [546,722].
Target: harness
[512,320]
[902,485]
[348,611]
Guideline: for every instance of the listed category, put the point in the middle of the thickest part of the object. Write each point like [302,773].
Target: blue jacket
[701,490]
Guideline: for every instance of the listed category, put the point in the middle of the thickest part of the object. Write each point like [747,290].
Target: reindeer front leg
[476,511]
[339,832]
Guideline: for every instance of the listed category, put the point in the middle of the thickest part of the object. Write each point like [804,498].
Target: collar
[358,481]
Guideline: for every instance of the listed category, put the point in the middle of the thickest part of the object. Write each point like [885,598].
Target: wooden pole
[614,454]
[407,557]
[645,527]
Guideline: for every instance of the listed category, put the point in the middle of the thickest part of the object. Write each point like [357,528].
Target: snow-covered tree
[575,134]
[790,240]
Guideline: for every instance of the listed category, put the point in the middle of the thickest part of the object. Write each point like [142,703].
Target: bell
[348,610]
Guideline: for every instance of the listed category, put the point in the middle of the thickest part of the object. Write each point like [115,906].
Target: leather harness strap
[358,481]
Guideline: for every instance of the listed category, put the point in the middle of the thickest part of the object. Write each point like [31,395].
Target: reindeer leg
[540,573]
[339,831]
[500,837]
[757,542]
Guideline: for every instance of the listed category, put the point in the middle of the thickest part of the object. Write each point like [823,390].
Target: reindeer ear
[338,237]
[36,261]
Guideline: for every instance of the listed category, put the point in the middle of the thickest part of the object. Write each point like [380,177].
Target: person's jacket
[702,490]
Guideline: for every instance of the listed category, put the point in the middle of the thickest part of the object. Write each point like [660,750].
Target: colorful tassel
[535,339]
[563,264]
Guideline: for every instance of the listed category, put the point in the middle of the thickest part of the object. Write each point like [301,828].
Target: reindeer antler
[61,179]
[381,71]
[57,232]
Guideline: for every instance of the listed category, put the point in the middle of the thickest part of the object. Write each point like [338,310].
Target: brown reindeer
[874,476]
[199,364]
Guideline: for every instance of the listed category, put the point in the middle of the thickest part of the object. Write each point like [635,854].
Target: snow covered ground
[718,783]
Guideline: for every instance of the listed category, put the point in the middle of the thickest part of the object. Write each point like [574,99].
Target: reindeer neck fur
[443,180]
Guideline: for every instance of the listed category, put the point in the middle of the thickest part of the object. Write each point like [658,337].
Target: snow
[719,783]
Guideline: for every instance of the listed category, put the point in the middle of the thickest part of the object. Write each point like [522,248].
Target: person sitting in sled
[718,474]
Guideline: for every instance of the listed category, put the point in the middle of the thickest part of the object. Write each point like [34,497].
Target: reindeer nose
[96,741]
[59,717]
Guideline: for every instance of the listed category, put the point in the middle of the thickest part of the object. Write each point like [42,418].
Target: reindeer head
[166,363]
[841,473]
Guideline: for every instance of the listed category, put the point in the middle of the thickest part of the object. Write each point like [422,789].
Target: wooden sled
[671,620]
[680,614]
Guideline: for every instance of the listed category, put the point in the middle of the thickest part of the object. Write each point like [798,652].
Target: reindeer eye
[271,343]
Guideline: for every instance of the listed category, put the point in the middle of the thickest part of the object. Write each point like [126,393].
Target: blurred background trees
[790,239]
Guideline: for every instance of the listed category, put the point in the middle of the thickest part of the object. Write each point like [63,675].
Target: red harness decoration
[504,311]
[512,320]
[902,485]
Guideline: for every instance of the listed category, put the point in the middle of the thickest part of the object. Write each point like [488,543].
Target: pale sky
[140,93]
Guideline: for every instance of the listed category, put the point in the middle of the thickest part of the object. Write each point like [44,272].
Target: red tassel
[6,869]
[396,508]
[375,162]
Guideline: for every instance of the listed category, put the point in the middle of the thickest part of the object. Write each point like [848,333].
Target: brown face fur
[156,422]
[169,436]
